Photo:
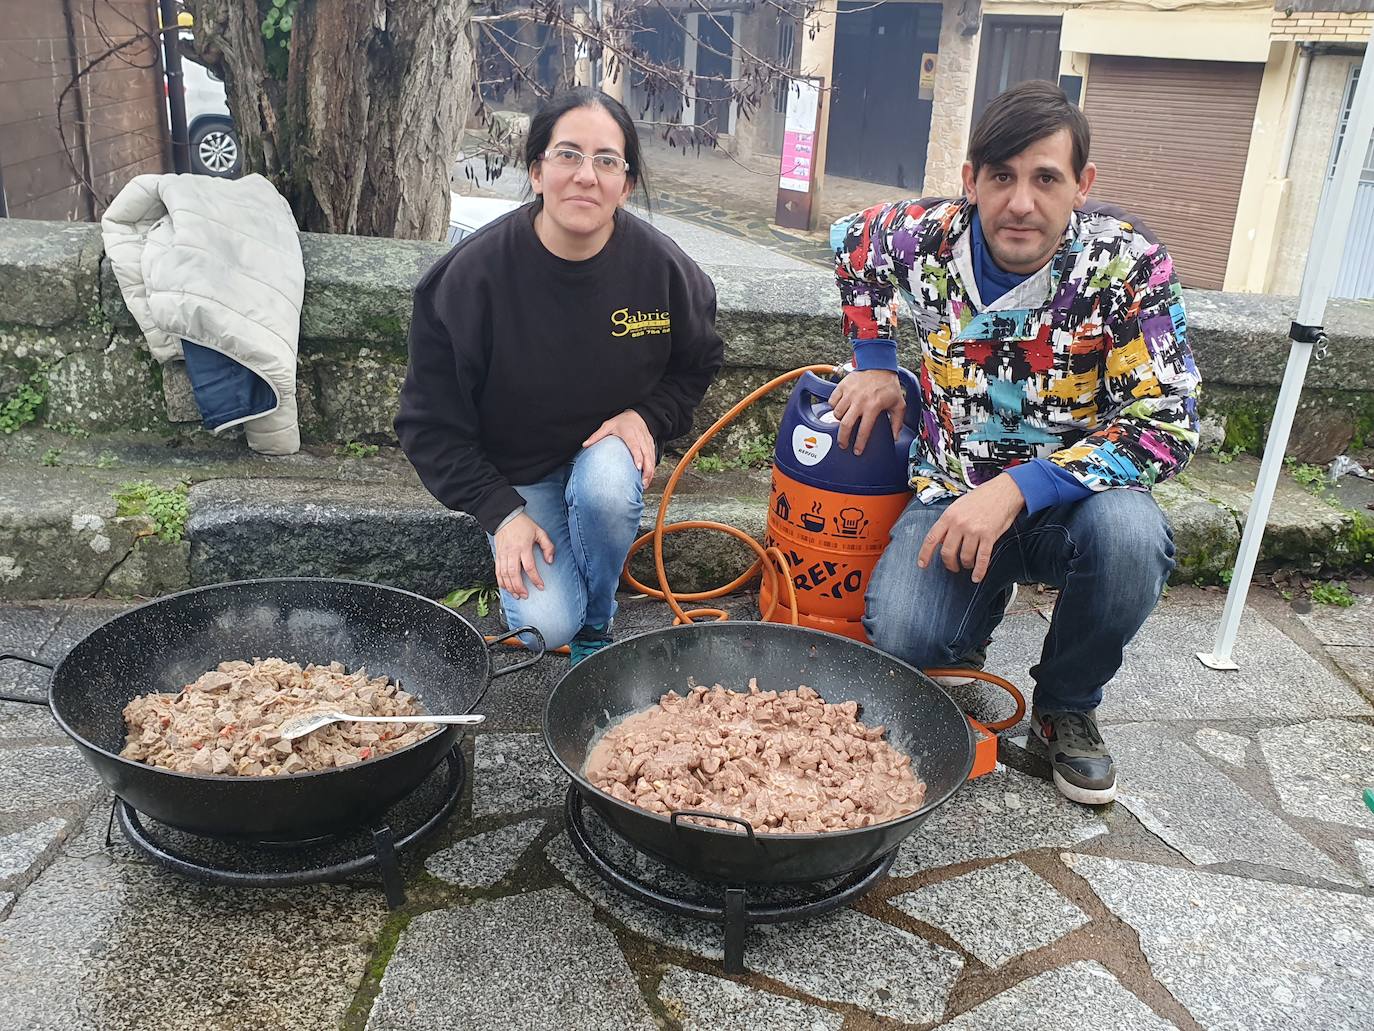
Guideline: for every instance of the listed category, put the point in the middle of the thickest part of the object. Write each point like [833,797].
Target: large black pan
[435,654]
[632,675]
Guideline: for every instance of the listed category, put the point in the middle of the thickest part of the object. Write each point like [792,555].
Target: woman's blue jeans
[1109,555]
[590,508]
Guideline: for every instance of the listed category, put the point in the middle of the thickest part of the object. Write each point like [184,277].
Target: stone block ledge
[61,535]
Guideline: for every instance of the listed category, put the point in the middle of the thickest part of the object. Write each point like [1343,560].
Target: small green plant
[166,507]
[356,449]
[1225,456]
[52,457]
[23,407]
[106,460]
[1312,477]
[1333,593]
[1226,575]
[276,30]
[758,451]
[484,593]
[710,464]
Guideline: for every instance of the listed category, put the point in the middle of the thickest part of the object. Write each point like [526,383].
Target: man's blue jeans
[590,509]
[1110,555]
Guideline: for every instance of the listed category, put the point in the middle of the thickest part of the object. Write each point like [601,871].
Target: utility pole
[176,90]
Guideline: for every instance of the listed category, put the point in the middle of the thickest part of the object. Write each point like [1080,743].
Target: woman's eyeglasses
[567,158]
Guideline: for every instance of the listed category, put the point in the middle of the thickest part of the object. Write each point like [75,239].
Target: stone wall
[64,327]
[953,105]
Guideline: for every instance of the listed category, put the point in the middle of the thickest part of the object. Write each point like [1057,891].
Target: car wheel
[215,149]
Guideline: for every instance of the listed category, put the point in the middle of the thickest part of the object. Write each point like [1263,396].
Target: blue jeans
[1110,555]
[590,509]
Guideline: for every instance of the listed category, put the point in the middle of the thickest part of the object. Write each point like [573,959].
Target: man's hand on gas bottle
[858,401]
[971,527]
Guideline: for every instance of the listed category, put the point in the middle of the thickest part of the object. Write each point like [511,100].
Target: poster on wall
[797,168]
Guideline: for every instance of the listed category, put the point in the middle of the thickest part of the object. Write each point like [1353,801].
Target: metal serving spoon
[308,723]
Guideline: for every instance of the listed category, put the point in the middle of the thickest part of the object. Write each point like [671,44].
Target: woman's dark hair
[1027,112]
[551,110]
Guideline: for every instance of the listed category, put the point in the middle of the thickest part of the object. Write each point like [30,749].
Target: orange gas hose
[771,563]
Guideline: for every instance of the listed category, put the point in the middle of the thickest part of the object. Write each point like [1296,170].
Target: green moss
[1354,547]
[1244,431]
[1364,423]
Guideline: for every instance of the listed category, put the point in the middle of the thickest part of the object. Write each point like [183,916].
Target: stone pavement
[1230,887]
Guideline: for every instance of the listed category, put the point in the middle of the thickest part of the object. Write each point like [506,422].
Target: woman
[552,353]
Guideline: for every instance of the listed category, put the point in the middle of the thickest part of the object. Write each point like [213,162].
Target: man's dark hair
[1027,112]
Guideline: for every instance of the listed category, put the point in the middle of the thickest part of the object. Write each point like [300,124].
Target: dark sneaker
[1083,768]
[589,640]
[976,659]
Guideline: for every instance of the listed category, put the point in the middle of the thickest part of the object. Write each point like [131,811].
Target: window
[787,42]
[1367,172]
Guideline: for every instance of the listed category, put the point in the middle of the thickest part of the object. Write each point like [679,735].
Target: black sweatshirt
[517,356]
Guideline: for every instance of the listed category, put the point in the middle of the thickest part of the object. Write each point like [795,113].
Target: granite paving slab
[703,1002]
[1246,955]
[484,859]
[538,960]
[1357,664]
[1333,625]
[1161,678]
[28,723]
[997,913]
[24,851]
[94,944]
[842,956]
[1364,851]
[1229,748]
[513,773]
[79,620]
[1321,769]
[1081,995]
[997,815]
[1201,812]
[39,777]
[24,629]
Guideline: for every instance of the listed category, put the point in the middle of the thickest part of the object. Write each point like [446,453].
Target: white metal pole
[1323,263]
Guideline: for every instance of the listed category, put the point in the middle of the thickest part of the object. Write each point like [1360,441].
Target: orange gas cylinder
[831,511]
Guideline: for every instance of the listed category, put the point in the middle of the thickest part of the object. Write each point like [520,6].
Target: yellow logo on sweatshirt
[640,323]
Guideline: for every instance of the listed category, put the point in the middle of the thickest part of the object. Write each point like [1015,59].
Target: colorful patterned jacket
[1085,364]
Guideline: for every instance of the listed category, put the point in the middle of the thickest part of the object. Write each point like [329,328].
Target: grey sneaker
[1083,768]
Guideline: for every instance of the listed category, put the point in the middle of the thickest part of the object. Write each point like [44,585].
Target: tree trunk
[361,136]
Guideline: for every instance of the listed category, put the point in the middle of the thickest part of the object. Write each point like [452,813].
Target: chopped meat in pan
[785,761]
[228,721]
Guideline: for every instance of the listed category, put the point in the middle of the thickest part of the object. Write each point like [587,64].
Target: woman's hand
[515,544]
[630,427]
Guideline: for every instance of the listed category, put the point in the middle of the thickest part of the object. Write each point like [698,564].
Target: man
[1057,387]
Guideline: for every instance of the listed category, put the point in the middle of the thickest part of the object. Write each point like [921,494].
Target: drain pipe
[1299,94]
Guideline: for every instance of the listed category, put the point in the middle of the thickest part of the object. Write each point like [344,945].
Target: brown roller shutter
[1170,140]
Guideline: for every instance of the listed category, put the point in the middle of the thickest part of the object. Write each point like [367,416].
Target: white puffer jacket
[216,262]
